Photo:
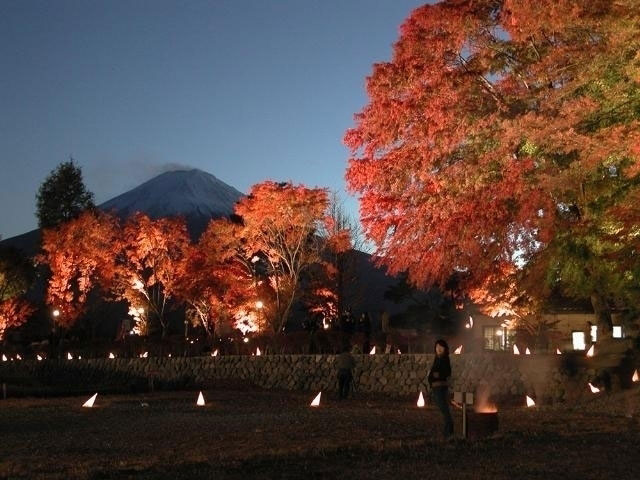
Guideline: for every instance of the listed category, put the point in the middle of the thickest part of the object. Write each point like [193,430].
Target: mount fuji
[194,194]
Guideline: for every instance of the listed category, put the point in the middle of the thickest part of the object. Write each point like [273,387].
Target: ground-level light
[200,401]
[635,377]
[420,402]
[258,352]
[69,356]
[111,355]
[558,352]
[458,350]
[527,351]
[89,403]
[215,353]
[39,358]
[591,351]
[516,350]
[373,351]
[593,389]
[530,402]
[316,401]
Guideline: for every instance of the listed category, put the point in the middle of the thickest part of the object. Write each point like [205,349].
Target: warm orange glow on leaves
[487,139]
[280,223]
[13,313]
[81,256]
[148,271]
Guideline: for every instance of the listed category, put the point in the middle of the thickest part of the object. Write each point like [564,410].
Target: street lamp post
[55,313]
[260,306]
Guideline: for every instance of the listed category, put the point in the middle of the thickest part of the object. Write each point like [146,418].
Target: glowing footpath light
[144,355]
[200,401]
[516,351]
[530,402]
[591,351]
[373,351]
[89,403]
[39,358]
[69,356]
[111,355]
[635,377]
[258,352]
[399,352]
[458,350]
[558,352]
[316,401]
[215,353]
[4,357]
[527,351]
[593,389]
[18,357]
[420,402]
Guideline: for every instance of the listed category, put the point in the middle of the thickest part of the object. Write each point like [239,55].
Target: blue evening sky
[247,90]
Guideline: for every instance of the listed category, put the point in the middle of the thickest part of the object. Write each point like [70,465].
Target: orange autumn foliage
[80,256]
[281,222]
[13,313]
[489,122]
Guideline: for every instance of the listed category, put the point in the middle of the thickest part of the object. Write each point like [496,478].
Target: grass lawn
[244,433]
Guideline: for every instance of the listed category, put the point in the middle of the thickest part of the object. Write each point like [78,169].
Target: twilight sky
[245,89]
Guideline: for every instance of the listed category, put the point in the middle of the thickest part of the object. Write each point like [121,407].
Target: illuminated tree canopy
[502,140]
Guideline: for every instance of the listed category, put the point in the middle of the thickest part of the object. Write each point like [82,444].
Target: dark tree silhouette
[62,196]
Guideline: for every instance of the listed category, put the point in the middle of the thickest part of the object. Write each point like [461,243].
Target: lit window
[578,340]
[594,333]
[617,331]
[494,338]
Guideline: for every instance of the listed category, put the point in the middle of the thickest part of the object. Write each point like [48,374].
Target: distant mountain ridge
[193,194]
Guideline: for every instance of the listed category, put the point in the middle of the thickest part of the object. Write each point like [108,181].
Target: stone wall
[542,376]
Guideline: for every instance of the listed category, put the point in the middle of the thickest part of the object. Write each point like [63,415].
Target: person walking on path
[438,375]
[345,363]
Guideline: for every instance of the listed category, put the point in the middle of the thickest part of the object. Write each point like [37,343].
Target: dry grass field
[248,433]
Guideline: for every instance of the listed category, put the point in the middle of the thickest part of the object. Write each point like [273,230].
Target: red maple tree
[215,277]
[280,226]
[13,313]
[147,267]
[487,137]
[80,256]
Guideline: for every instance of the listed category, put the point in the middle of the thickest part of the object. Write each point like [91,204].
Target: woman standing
[438,375]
